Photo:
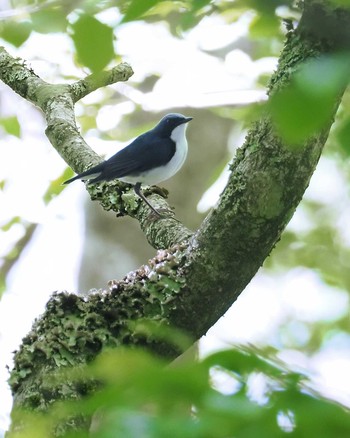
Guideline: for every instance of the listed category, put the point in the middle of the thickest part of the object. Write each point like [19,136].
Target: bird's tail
[94,172]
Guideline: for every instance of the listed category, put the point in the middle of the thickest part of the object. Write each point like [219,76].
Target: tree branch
[16,251]
[192,284]
[57,104]
[82,88]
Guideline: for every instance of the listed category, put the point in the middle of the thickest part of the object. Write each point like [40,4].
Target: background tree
[179,286]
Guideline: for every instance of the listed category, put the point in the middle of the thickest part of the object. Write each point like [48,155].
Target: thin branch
[15,253]
[120,73]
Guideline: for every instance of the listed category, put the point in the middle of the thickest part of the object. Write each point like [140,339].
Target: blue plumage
[151,158]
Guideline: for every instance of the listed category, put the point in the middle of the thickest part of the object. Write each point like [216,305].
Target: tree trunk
[196,279]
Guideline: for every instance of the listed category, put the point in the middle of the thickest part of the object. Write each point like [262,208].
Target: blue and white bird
[151,158]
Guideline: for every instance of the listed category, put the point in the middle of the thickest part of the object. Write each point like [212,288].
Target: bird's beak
[187,119]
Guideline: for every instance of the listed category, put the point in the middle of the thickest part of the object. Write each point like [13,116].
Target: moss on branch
[57,103]
[191,285]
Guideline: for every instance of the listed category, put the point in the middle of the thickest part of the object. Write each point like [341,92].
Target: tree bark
[193,282]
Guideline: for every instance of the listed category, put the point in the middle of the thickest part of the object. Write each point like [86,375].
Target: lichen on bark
[192,284]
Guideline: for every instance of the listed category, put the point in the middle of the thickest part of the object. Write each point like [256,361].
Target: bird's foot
[161,191]
[161,213]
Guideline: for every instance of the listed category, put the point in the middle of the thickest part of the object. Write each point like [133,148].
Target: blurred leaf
[138,8]
[49,20]
[188,19]
[93,41]
[11,125]
[302,108]
[343,136]
[333,419]
[87,121]
[343,3]
[244,361]
[17,249]
[265,26]
[15,33]
[56,186]
[266,7]
[10,223]
[250,113]
[153,330]
[141,397]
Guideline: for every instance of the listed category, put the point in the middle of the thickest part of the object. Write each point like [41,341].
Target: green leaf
[11,126]
[343,136]
[56,186]
[306,106]
[93,42]
[49,20]
[196,5]
[265,26]
[10,223]
[138,8]
[138,396]
[15,33]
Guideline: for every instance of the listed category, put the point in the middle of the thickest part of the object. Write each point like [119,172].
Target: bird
[151,158]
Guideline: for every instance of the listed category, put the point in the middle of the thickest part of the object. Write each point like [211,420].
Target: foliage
[304,107]
[141,396]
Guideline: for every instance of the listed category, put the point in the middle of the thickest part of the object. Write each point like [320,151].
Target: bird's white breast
[163,173]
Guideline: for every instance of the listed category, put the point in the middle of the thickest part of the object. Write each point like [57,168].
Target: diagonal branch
[82,88]
[57,104]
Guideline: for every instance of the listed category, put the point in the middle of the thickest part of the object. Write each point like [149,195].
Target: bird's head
[169,122]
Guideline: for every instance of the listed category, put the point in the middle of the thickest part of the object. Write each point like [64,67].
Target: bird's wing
[144,153]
